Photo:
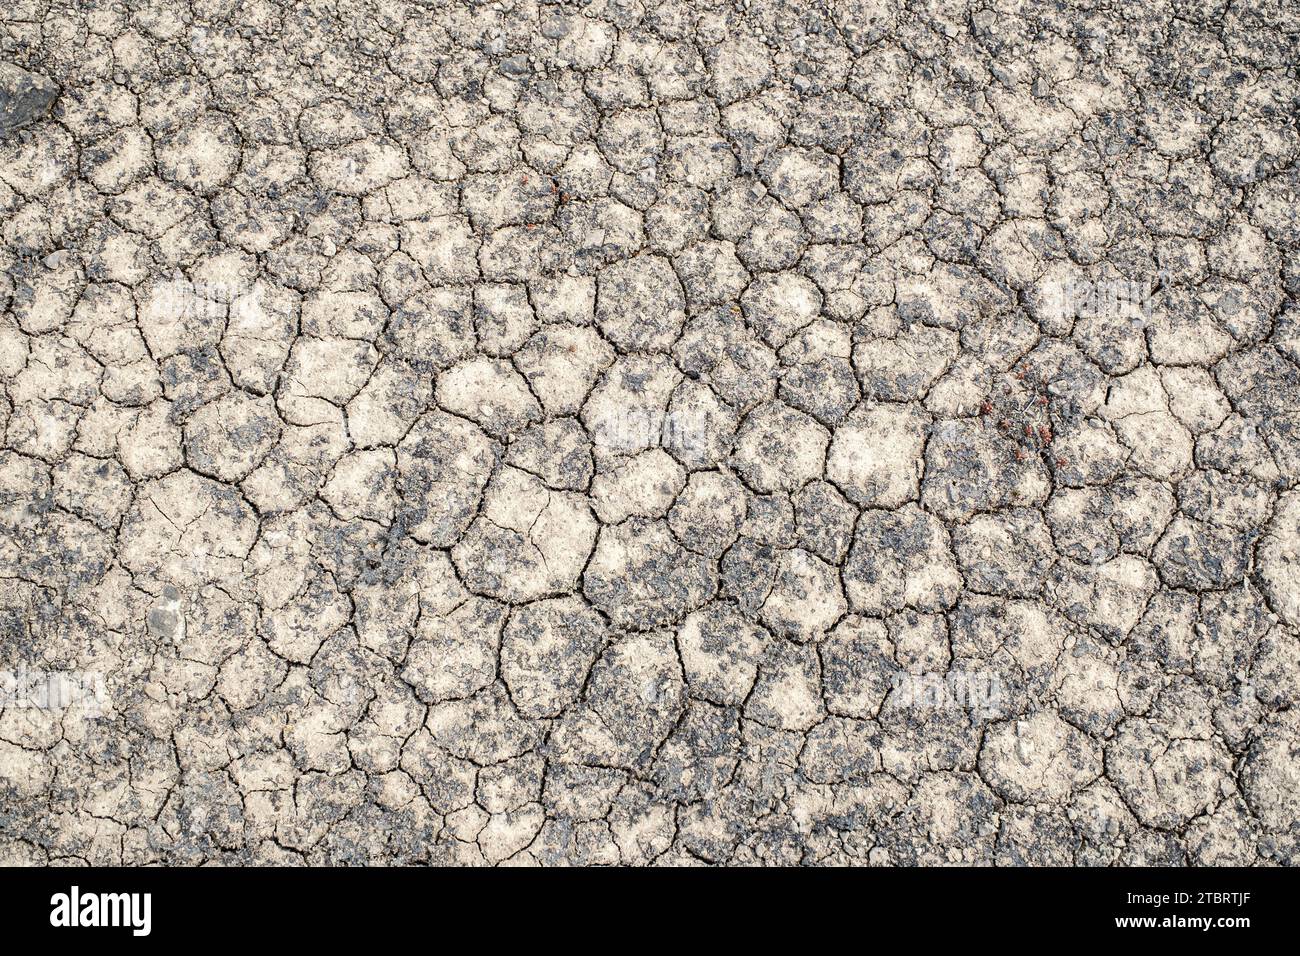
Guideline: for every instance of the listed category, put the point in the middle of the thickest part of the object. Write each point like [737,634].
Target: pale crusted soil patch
[616,433]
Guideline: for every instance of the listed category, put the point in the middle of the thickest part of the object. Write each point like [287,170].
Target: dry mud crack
[629,432]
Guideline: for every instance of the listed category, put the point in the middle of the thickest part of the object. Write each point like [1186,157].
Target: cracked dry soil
[651,432]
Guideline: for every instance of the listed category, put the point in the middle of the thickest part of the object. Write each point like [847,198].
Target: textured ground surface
[650,432]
